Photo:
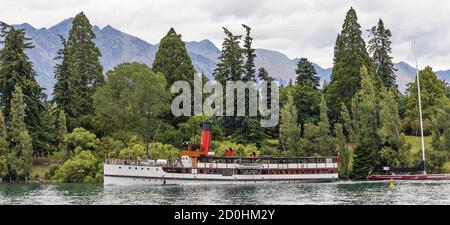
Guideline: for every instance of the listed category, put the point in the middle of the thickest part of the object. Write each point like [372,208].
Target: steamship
[198,165]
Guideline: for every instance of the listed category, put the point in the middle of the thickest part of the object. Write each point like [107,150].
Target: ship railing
[130,162]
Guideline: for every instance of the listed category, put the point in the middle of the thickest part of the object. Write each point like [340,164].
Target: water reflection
[255,194]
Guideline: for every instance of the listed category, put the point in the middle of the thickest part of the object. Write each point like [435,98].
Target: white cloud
[297,28]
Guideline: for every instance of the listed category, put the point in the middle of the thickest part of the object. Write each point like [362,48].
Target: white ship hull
[144,175]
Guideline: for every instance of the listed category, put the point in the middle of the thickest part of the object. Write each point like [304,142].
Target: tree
[249,55]
[431,90]
[79,73]
[289,129]
[364,108]
[83,168]
[380,47]
[306,74]
[348,124]
[172,59]
[350,55]
[17,70]
[344,154]
[62,135]
[4,148]
[131,101]
[440,152]
[263,75]
[395,150]
[231,59]
[21,147]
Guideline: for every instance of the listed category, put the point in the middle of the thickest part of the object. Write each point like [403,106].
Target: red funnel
[206,137]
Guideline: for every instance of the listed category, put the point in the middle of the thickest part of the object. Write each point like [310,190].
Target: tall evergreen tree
[289,129]
[249,55]
[264,75]
[350,56]
[231,59]
[344,154]
[79,73]
[395,150]
[380,47]
[348,124]
[364,108]
[172,59]
[17,70]
[306,74]
[20,159]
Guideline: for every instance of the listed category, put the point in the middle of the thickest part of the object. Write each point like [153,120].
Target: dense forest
[359,114]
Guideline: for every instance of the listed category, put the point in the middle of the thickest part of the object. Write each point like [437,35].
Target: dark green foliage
[78,74]
[172,59]
[231,59]
[380,47]
[131,101]
[350,55]
[364,108]
[249,55]
[306,74]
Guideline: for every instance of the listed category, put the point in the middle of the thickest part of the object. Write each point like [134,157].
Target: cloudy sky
[298,28]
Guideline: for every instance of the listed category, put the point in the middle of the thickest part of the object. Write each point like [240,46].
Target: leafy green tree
[84,167]
[131,101]
[172,59]
[364,108]
[350,56]
[306,74]
[440,152]
[380,47]
[4,148]
[79,73]
[157,150]
[20,158]
[80,139]
[289,128]
[395,150]
[431,90]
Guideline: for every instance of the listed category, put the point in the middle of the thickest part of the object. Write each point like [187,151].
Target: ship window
[142,168]
[148,168]
[135,168]
[129,168]
[120,167]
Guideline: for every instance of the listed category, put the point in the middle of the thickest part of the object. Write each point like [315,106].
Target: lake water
[430,192]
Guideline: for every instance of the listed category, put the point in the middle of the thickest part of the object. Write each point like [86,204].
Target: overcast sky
[298,28]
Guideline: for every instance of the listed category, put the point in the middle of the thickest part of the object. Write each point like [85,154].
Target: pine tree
[344,154]
[62,134]
[306,74]
[350,56]
[289,129]
[17,70]
[364,108]
[79,73]
[249,55]
[393,142]
[172,59]
[20,159]
[380,47]
[231,59]
[4,148]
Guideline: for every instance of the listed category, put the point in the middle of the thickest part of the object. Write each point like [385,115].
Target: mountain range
[118,47]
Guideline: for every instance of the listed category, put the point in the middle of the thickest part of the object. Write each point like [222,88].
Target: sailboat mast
[420,113]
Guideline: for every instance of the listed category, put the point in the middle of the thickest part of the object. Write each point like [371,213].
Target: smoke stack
[206,137]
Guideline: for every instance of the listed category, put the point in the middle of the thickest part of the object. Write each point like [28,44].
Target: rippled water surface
[309,193]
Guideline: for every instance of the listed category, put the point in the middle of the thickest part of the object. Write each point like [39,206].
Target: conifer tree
[21,146]
[289,129]
[249,55]
[172,59]
[395,150]
[379,47]
[79,73]
[344,154]
[231,59]
[364,108]
[17,70]
[350,56]
[306,74]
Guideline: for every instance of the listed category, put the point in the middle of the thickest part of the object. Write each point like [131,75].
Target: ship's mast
[420,111]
